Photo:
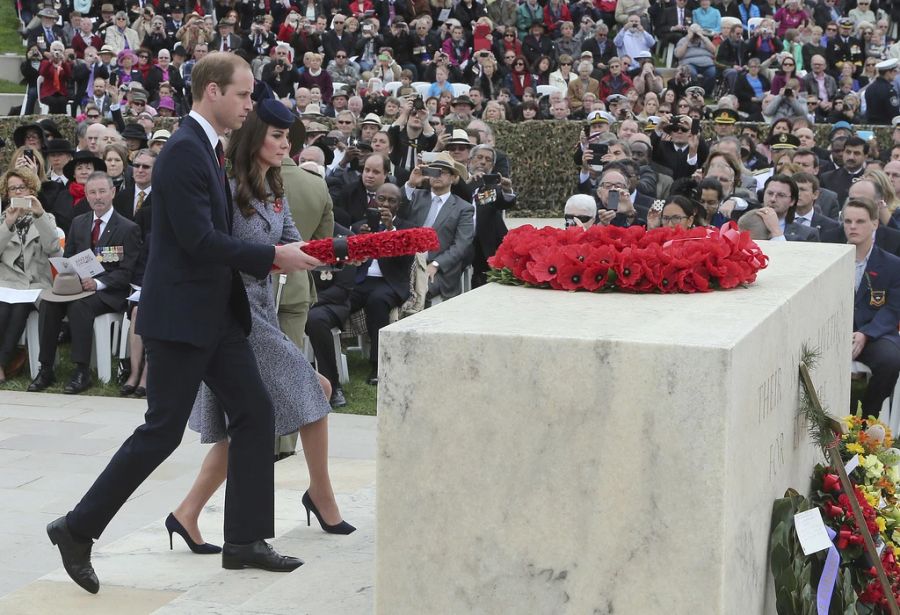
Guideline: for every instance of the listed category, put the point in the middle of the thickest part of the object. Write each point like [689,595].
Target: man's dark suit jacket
[490,228]
[887,239]
[118,232]
[664,153]
[123,203]
[876,322]
[839,181]
[350,203]
[192,281]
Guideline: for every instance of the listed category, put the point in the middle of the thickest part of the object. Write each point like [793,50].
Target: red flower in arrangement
[632,259]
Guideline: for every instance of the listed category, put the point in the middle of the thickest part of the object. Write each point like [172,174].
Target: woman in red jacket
[57,72]
[555,13]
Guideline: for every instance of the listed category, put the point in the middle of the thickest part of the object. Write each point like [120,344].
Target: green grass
[9,87]
[10,41]
[360,396]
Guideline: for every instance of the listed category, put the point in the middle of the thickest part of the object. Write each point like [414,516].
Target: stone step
[8,101]
[9,66]
[52,447]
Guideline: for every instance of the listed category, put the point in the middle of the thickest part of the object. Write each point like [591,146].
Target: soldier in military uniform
[846,48]
[882,103]
[724,122]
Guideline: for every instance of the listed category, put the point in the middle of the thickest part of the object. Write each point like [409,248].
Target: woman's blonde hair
[38,159]
[26,175]
[879,177]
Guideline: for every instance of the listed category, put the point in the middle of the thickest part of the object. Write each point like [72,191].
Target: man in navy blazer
[194,320]
[876,305]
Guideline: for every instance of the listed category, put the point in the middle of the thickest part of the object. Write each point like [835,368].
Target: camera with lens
[788,92]
[418,104]
[279,62]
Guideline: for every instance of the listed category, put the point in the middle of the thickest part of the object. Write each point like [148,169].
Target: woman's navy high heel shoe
[341,528]
[175,527]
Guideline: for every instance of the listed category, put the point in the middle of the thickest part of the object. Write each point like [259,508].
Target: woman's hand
[11,215]
[27,163]
[653,218]
[37,209]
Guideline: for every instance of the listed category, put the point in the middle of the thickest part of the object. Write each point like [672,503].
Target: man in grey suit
[780,197]
[826,202]
[431,204]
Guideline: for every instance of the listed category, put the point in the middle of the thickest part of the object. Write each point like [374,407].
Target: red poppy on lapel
[278,206]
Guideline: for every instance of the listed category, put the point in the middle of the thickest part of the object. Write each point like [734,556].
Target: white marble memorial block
[550,452]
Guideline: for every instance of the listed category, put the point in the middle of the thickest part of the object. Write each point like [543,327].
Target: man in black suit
[807,195]
[854,157]
[195,318]
[685,152]
[601,49]
[352,199]
[381,284]
[47,32]
[673,23]
[136,192]
[886,238]
[116,242]
[490,197]
[876,305]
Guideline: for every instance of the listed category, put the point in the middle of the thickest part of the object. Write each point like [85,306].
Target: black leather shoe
[76,555]
[44,379]
[126,389]
[258,554]
[140,392]
[80,382]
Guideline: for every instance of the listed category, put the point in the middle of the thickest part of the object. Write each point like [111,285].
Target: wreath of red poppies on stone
[376,245]
[632,259]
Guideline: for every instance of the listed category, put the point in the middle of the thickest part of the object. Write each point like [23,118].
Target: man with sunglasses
[580,210]
[134,196]
[684,152]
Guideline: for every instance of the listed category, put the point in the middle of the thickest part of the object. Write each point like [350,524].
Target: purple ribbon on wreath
[829,576]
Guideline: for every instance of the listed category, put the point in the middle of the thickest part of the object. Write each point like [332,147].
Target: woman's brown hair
[243,147]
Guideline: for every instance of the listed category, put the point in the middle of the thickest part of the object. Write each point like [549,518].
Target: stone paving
[53,446]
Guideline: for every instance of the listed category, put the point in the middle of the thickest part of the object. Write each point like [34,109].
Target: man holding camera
[685,151]
[696,52]
[492,194]
[382,284]
[632,39]
[410,135]
[260,41]
[280,74]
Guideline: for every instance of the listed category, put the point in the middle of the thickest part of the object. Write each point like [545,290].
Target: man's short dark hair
[863,203]
[807,178]
[806,152]
[784,179]
[857,142]
[218,68]
[711,183]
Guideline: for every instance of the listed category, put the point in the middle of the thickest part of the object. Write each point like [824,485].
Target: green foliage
[10,40]
[795,575]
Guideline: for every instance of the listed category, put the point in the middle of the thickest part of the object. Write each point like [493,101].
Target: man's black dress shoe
[44,379]
[76,555]
[80,382]
[258,554]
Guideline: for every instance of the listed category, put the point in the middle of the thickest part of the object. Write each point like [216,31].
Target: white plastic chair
[543,90]
[33,343]
[41,107]
[460,88]
[670,55]
[391,87]
[106,331]
[421,87]
[753,24]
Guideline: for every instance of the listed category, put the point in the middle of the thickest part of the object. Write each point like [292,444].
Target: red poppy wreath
[629,259]
[373,245]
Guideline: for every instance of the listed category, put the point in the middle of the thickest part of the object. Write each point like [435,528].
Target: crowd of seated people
[395,100]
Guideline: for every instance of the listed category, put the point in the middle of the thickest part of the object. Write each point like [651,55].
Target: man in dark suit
[446,213]
[780,195]
[47,31]
[685,152]
[116,242]
[225,39]
[826,203]
[195,318]
[381,284]
[490,197]
[876,305]
[854,157]
[673,23]
[351,200]
[807,195]
[136,191]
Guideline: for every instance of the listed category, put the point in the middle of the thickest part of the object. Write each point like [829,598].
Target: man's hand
[88,284]
[291,257]
[586,157]
[605,216]
[506,185]
[416,177]
[770,219]
[858,342]
[387,218]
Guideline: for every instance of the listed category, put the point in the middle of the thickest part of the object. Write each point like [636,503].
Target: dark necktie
[371,199]
[220,155]
[49,36]
[95,233]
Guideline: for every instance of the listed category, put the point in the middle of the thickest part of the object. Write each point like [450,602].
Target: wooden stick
[835,456]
